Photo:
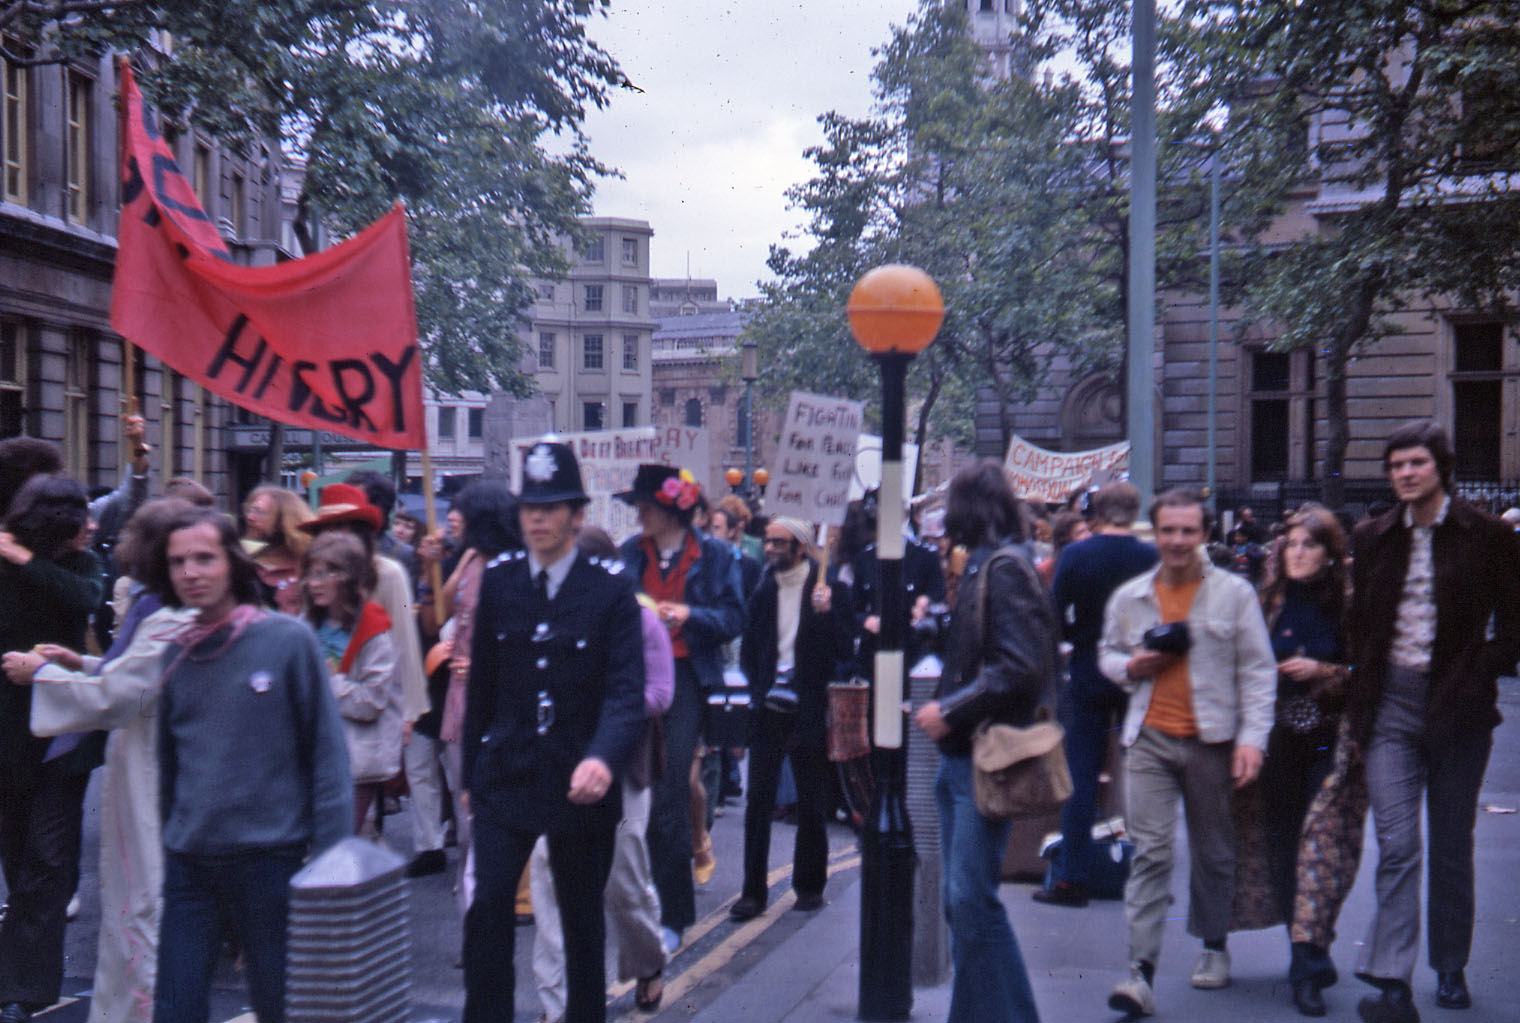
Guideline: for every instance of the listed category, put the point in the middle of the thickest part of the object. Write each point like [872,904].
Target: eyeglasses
[322,575]
[777,541]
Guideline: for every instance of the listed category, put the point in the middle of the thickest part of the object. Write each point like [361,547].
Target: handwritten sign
[1040,475]
[815,459]
[609,459]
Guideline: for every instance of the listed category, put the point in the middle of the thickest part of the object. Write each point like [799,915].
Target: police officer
[555,705]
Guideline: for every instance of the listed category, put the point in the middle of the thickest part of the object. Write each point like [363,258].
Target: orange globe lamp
[895,309]
[762,477]
[733,477]
[308,478]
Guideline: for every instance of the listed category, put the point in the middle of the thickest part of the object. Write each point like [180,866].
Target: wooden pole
[430,511]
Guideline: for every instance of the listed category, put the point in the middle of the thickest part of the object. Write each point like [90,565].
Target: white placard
[815,459]
[1053,476]
[609,459]
[868,466]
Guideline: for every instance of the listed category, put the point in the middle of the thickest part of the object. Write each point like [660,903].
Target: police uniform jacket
[922,576]
[584,649]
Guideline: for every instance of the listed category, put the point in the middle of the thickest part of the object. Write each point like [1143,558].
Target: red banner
[328,341]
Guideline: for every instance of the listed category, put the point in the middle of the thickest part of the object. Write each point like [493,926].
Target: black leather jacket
[1005,670]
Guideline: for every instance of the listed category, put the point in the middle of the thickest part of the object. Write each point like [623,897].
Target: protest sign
[609,459]
[868,467]
[815,459]
[1053,476]
[327,342]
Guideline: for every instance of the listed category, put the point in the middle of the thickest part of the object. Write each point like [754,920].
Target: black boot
[1306,997]
[1394,1005]
[1451,990]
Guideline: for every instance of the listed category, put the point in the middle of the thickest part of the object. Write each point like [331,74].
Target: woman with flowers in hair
[693,580]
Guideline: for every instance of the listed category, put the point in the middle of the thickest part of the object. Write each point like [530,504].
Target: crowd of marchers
[570,712]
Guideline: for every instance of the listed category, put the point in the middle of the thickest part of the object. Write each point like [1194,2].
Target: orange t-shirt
[1171,709]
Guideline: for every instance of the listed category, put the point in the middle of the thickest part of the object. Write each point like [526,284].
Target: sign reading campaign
[1053,476]
[815,459]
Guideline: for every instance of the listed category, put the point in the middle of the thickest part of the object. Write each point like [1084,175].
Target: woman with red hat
[694,581]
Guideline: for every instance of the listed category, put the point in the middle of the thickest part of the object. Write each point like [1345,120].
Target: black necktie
[541,584]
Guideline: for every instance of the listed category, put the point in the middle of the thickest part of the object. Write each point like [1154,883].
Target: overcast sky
[732,93]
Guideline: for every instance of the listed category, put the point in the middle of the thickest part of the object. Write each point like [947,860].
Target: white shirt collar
[1440,515]
[557,571]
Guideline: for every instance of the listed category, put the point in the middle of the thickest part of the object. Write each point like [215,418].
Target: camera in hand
[782,697]
[1171,638]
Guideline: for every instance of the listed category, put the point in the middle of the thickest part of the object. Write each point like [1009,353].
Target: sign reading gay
[815,460]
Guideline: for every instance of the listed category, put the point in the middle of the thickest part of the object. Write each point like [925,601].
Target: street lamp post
[894,311]
[748,372]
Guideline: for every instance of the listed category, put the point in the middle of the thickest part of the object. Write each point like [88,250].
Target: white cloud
[731,97]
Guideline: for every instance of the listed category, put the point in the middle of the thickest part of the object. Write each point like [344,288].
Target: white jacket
[1233,672]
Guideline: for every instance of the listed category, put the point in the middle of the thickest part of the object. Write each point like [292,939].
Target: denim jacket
[1233,672]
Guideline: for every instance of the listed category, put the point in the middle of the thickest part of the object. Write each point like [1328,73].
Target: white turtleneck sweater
[789,612]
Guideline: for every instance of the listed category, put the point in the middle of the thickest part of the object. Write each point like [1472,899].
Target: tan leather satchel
[1019,772]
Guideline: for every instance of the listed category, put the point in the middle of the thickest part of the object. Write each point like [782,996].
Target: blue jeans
[245,894]
[990,984]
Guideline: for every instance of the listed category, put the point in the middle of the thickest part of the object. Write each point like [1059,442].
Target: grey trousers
[1403,764]
[1160,771]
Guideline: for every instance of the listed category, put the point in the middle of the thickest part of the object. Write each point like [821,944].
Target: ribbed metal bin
[931,934]
[349,955]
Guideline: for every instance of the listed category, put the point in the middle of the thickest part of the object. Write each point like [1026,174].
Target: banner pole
[430,510]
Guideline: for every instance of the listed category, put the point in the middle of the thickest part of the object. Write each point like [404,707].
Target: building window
[594,250]
[1477,399]
[546,293]
[446,419]
[592,415]
[238,199]
[630,252]
[200,172]
[13,132]
[630,298]
[591,351]
[631,352]
[76,148]
[593,298]
[630,413]
[694,412]
[1280,416]
[546,349]
[477,424]
[12,379]
[76,405]
[666,396]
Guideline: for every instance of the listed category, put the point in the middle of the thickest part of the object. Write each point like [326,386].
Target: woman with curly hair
[272,516]
[49,584]
[1299,829]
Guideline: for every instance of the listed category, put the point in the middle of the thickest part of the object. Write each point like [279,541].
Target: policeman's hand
[931,721]
[1245,765]
[590,782]
[61,656]
[920,608]
[823,598]
[872,624]
[1149,663]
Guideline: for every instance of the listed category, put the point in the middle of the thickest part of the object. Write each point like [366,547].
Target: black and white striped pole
[894,311]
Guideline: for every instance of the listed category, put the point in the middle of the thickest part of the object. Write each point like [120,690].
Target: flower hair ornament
[680,491]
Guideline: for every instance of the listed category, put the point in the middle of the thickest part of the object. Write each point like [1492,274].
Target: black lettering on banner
[394,371]
[149,120]
[274,365]
[302,396]
[228,353]
[163,165]
[354,404]
[132,183]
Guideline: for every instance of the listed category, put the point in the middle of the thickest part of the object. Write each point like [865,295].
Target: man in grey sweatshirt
[253,771]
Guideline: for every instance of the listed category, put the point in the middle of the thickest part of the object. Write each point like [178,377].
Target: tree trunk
[921,431]
[1352,329]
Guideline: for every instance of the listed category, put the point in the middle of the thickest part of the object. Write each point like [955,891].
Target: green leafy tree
[969,179]
[447,106]
[1408,111]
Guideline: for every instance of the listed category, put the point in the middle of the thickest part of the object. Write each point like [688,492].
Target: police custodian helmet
[551,474]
